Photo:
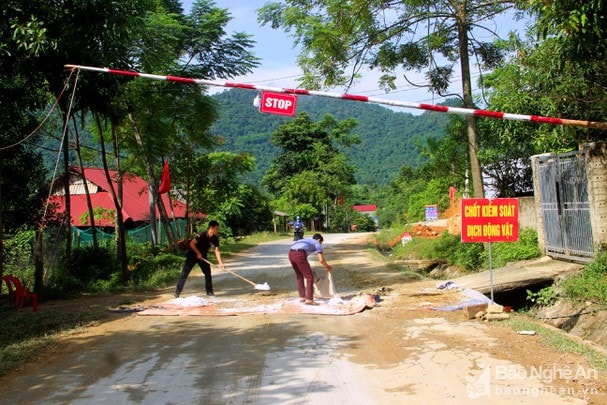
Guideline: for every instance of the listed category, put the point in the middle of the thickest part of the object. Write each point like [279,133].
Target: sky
[278,66]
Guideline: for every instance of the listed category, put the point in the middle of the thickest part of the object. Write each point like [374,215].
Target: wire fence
[143,234]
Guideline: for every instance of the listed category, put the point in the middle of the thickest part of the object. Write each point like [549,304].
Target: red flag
[165,181]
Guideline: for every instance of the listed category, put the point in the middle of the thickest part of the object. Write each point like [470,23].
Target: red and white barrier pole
[345,96]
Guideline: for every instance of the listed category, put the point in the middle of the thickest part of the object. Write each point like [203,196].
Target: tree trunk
[475,166]
[120,230]
[164,218]
[155,199]
[119,218]
[172,218]
[39,262]
[89,204]
[189,222]
[68,204]
[1,234]
[150,174]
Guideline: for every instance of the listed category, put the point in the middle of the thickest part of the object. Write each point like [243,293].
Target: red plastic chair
[18,294]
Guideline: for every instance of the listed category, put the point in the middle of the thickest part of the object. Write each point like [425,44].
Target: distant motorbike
[298,229]
[298,233]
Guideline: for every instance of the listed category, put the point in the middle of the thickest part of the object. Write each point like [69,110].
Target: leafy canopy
[310,170]
[340,38]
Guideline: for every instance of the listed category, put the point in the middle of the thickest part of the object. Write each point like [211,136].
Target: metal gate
[565,207]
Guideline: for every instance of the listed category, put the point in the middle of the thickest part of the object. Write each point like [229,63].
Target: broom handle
[232,273]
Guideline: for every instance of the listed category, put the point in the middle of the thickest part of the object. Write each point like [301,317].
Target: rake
[263,287]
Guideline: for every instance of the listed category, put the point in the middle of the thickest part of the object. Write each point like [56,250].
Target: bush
[18,250]
[506,252]
[543,298]
[591,283]
[89,264]
[470,256]
[448,248]
[147,271]
[364,223]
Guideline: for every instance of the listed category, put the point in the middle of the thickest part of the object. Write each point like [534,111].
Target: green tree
[251,213]
[311,170]
[97,33]
[415,187]
[557,70]
[215,187]
[447,157]
[530,82]
[580,27]
[23,38]
[339,38]
[161,115]
[35,45]
[568,62]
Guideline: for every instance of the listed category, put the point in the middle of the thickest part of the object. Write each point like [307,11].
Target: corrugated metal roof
[365,208]
[135,199]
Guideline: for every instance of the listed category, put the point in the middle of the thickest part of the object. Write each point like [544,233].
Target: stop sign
[278,103]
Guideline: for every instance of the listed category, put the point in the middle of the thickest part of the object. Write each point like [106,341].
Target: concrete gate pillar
[596,169]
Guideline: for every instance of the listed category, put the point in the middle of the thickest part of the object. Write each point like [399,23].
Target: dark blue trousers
[190,261]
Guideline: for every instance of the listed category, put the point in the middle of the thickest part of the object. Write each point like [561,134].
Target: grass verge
[25,333]
[559,340]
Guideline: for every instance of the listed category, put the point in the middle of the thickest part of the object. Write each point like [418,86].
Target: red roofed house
[368,209]
[136,205]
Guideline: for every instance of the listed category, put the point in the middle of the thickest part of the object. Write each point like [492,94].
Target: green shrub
[506,252]
[591,283]
[89,264]
[598,267]
[18,253]
[470,256]
[149,271]
[544,297]
[446,247]
[62,284]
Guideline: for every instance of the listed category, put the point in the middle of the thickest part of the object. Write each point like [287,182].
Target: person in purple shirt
[298,256]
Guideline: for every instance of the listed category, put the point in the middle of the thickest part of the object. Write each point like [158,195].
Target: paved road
[269,263]
[390,354]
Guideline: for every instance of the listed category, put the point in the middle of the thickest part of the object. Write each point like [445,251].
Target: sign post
[431,212]
[278,103]
[487,221]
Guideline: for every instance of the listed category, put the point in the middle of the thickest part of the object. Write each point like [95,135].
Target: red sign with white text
[278,103]
[485,220]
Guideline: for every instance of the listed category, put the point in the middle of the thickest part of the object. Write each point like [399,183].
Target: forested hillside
[387,137]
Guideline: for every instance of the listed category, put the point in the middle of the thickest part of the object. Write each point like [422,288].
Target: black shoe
[210,294]
[176,295]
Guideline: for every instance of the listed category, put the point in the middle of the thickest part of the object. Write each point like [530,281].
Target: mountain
[387,137]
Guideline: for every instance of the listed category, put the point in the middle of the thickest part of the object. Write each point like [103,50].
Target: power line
[19,142]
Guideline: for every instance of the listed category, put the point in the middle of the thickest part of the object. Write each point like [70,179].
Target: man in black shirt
[199,249]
